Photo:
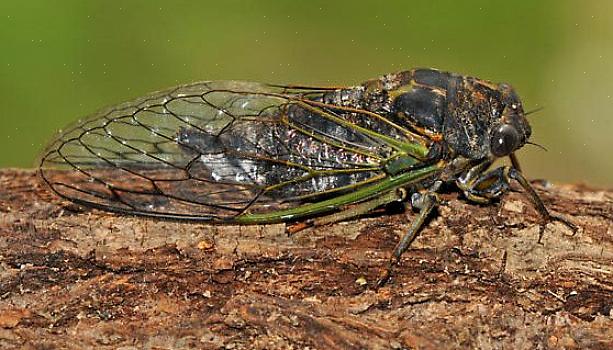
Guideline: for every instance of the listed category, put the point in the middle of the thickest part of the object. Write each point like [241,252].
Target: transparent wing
[215,150]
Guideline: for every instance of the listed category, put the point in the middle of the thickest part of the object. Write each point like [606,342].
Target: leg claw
[558,218]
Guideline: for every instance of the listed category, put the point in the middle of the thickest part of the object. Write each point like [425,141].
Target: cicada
[250,153]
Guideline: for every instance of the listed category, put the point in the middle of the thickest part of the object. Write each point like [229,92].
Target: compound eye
[504,140]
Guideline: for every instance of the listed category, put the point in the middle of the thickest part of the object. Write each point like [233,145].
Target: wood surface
[476,277]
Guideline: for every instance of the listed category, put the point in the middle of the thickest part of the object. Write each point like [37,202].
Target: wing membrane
[215,150]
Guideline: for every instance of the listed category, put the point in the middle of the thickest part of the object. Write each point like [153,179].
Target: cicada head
[483,120]
[511,130]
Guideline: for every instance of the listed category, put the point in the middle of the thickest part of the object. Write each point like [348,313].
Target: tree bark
[475,277]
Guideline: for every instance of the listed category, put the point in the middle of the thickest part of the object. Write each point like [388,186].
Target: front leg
[483,187]
[540,206]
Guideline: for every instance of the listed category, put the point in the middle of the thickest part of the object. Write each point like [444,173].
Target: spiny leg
[483,187]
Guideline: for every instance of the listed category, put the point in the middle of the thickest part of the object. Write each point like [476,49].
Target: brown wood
[476,277]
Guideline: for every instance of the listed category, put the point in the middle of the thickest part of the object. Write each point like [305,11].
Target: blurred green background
[61,60]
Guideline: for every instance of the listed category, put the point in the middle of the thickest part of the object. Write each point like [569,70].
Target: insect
[251,153]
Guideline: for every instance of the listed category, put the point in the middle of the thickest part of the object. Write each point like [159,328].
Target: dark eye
[504,140]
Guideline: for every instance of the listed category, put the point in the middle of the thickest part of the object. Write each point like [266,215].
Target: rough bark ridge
[476,277]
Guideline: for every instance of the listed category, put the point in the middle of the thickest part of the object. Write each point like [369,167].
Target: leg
[426,203]
[538,203]
[485,187]
[514,162]
[351,211]
[362,208]
[482,188]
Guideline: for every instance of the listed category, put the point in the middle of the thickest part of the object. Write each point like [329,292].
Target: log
[476,277]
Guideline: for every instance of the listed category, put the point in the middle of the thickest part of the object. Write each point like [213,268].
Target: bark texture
[476,277]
